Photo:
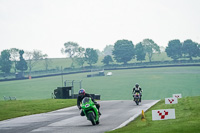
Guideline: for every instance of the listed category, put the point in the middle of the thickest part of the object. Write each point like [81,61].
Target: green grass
[187,119]
[12,109]
[155,82]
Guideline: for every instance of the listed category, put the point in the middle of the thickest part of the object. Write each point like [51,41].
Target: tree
[71,49]
[33,58]
[150,48]
[21,64]
[91,56]
[173,49]
[107,59]
[140,52]
[123,51]
[6,63]
[14,55]
[108,50]
[190,49]
[79,58]
[99,52]
[47,62]
[199,50]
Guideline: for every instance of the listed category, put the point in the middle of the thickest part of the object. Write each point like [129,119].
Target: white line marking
[135,116]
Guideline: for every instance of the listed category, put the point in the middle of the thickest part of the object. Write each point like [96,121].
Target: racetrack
[115,114]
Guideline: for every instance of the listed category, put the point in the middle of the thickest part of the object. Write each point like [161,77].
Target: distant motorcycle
[137,98]
[90,110]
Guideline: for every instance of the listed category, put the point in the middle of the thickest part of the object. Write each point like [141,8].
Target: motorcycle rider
[80,97]
[137,89]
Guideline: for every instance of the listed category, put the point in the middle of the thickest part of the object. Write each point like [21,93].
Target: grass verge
[12,109]
[162,81]
[187,119]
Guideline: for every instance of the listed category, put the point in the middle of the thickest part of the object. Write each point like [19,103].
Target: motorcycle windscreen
[85,100]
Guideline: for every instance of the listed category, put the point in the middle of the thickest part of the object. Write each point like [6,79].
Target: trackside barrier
[9,98]
[95,96]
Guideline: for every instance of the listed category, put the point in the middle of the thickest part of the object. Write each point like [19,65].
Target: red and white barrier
[163,114]
[177,95]
[171,100]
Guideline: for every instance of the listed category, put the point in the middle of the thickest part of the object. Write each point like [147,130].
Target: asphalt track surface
[115,114]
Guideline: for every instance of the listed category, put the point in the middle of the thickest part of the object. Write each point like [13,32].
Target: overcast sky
[47,24]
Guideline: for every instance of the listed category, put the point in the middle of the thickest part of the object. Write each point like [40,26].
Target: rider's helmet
[81,92]
[136,85]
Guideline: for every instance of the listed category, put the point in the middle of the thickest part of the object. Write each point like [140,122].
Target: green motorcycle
[90,110]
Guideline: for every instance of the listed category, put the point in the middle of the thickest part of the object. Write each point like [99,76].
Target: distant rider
[137,89]
[82,95]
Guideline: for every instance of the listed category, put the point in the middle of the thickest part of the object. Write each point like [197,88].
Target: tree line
[186,49]
[122,51]
[15,57]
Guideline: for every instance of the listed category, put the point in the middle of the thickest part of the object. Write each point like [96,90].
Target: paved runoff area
[115,114]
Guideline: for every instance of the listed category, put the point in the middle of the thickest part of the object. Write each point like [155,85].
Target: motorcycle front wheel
[136,101]
[92,118]
[97,122]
